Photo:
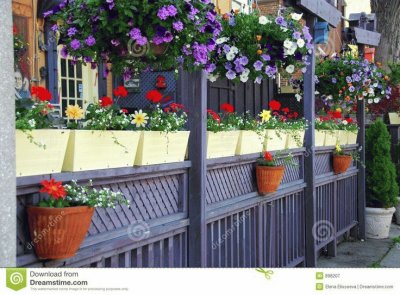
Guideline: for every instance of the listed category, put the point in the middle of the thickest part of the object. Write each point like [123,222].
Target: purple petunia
[281,21]
[168,37]
[135,34]
[227,48]
[75,44]
[258,80]
[167,11]
[228,66]
[334,80]
[158,40]
[200,53]
[211,44]
[64,52]
[231,75]
[48,13]
[244,60]
[266,57]
[352,89]
[178,26]
[348,79]
[270,71]
[90,41]
[258,65]
[296,35]
[210,68]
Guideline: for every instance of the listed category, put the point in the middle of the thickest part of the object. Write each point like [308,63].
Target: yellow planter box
[91,150]
[352,137]
[250,142]
[342,137]
[35,160]
[331,138]
[394,118]
[295,141]
[222,144]
[157,147]
[275,141]
[320,137]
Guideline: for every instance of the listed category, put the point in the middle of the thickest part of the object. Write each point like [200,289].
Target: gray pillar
[7,140]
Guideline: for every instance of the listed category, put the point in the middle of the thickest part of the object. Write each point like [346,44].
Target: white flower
[222,40]
[244,78]
[365,93]
[263,20]
[230,56]
[301,43]
[296,16]
[290,69]
[376,99]
[298,97]
[234,49]
[383,92]
[287,44]
[212,78]
[290,51]
[344,122]
[284,29]
[32,123]
[370,90]
[370,100]
[246,72]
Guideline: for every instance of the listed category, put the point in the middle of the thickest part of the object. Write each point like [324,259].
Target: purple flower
[200,53]
[227,48]
[90,41]
[178,26]
[168,37]
[334,80]
[158,40]
[87,59]
[172,11]
[54,27]
[127,74]
[75,44]
[72,31]
[258,65]
[228,66]
[232,22]
[135,34]
[141,41]
[270,71]
[280,21]
[48,13]
[64,52]
[211,44]
[352,89]
[231,75]
[210,68]
[296,35]
[163,13]
[266,57]
[115,42]
[93,65]
[258,80]
[348,79]
[244,60]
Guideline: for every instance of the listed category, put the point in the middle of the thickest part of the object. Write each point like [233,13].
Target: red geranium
[214,115]
[106,101]
[177,106]
[274,105]
[337,115]
[125,111]
[121,91]
[227,108]
[349,120]
[53,188]
[154,96]
[268,157]
[295,114]
[286,110]
[41,93]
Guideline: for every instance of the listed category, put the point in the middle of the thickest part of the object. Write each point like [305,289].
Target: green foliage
[106,118]
[395,73]
[32,114]
[171,121]
[382,187]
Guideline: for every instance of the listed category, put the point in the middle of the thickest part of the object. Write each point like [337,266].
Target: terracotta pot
[57,233]
[341,163]
[269,178]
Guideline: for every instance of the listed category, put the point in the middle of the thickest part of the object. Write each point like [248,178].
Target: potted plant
[269,174]
[135,34]
[251,136]
[341,160]
[106,138]
[39,149]
[222,135]
[382,189]
[164,138]
[59,223]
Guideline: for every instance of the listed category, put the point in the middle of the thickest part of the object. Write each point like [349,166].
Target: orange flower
[347,98]
[258,37]
[237,11]
[259,52]
[53,188]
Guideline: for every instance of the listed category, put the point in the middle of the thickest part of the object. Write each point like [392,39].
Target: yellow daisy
[74,112]
[140,119]
[265,115]
[338,148]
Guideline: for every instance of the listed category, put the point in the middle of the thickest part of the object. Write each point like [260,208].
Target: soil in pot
[57,233]
[341,163]
[269,178]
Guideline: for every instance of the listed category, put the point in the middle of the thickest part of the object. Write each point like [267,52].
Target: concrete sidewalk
[369,253]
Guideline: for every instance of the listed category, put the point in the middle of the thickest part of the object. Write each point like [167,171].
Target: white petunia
[300,43]
[290,69]
[298,97]
[244,78]
[287,44]
[230,56]
[212,78]
[344,122]
[234,49]
[376,100]
[284,29]
[263,20]
[222,40]
[296,16]
[370,100]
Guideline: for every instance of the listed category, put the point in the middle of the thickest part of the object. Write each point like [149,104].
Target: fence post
[309,161]
[193,94]
[361,173]
[7,141]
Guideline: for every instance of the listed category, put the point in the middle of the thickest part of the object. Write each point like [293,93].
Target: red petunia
[214,115]
[121,91]
[227,108]
[268,156]
[41,93]
[285,110]
[154,96]
[106,101]
[274,105]
[53,188]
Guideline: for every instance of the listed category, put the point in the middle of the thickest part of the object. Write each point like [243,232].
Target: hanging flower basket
[57,233]
[341,163]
